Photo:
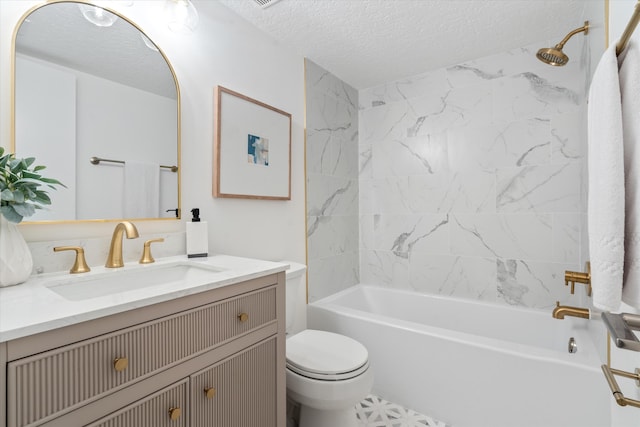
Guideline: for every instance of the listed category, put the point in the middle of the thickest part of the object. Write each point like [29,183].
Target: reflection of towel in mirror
[141,192]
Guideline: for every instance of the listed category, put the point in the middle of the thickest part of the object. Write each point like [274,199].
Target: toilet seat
[326,356]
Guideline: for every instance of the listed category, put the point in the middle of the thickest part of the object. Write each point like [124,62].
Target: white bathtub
[472,364]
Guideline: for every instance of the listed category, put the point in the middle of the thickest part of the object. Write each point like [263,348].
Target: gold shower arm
[584,28]
[628,31]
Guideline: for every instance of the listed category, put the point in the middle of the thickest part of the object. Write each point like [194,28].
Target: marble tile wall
[471,179]
[332,183]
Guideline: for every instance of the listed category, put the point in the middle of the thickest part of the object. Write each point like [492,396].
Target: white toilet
[327,373]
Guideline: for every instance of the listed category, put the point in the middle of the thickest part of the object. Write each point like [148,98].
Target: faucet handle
[146,257]
[575,276]
[80,264]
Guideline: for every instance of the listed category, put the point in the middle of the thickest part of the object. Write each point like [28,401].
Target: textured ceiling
[369,42]
[59,33]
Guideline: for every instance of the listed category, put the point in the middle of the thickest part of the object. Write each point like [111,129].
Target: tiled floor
[376,412]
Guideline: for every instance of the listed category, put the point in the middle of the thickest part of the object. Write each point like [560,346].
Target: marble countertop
[33,307]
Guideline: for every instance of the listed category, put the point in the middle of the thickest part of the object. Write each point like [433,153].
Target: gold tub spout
[564,310]
[114,259]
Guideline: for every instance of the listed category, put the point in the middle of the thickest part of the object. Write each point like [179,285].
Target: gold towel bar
[97,160]
[628,31]
[615,389]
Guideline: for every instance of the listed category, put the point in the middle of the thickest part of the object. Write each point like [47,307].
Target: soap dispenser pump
[197,236]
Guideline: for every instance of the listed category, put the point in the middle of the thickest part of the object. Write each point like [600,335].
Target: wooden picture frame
[252,151]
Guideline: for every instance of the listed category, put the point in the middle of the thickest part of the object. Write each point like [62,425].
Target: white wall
[223,51]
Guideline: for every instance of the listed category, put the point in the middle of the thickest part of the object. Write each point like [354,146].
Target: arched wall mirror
[90,85]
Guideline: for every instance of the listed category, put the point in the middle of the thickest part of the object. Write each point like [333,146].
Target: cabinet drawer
[166,408]
[240,391]
[44,386]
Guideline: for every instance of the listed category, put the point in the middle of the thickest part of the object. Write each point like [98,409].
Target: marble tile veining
[469,180]
[334,162]
[472,179]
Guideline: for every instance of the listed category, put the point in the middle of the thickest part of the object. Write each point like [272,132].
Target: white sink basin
[95,285]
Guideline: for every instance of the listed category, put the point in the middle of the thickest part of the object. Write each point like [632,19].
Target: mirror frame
[12,143]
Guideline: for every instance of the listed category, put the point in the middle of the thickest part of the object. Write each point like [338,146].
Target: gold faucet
[564,310]
[114,259]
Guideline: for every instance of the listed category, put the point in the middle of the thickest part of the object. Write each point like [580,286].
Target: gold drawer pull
[210,392]
[174,413]
[120,363]
[243,317]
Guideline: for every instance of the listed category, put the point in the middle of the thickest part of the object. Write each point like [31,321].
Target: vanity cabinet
[238,391]
[152,411]
[210,359]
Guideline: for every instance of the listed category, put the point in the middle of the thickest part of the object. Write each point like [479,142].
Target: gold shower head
[554,55]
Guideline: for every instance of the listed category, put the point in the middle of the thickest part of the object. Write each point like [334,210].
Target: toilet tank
[296,297]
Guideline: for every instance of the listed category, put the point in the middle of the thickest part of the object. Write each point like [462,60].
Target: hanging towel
[606,184]
[629,61]
[141,189]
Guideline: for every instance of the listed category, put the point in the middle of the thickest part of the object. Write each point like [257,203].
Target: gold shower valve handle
[80,264]
[243,317]
[210,392]
[174,413]
[120,363]
[579,277]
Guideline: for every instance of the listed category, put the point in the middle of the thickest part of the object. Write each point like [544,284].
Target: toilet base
[311,417]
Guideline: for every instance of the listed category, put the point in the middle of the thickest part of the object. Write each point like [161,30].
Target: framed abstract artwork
[252,151]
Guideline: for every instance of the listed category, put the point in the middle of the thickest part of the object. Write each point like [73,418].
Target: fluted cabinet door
[239,391]
[47,385]
[166,408]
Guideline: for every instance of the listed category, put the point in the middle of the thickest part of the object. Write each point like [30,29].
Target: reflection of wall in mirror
[151,133]
[46,125]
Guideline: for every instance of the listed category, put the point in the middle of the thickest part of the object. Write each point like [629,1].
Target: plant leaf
[29,174]
[18,196]
[24,209]
[42,197]
[6,195]
[20,186]
[10,214]
[52,181]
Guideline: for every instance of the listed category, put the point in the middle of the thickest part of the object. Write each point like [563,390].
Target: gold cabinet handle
[120,363]
[80,264]
[146,257]
[243,317]
[210,392]
[174,413]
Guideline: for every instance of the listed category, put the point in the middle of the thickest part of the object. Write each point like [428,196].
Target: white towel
[606,184]
[630,91]
[141,190]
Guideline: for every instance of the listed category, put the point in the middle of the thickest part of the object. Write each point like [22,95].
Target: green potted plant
[22,190]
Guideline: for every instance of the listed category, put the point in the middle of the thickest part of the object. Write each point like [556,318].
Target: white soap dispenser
[197,236]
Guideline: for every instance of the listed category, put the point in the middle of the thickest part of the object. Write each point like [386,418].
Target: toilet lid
[325,355]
